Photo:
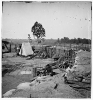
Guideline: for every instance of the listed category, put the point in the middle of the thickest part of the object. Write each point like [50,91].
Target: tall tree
[38,30]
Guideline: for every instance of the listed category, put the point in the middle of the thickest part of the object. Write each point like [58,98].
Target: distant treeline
[75,40]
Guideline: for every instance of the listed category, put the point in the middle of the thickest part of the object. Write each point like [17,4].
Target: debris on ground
[67,77]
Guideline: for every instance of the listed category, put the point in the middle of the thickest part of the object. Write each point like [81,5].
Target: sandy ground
[53,87]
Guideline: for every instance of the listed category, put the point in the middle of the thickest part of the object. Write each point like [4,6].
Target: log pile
[64,61]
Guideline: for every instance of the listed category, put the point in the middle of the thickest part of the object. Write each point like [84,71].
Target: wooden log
[34,72]
[10,47]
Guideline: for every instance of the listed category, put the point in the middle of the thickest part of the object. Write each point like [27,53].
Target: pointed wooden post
[10,47]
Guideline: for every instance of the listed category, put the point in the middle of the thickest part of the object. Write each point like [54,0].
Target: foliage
[38,30]
[76,41]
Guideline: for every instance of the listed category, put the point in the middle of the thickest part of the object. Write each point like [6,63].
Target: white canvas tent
[26,49]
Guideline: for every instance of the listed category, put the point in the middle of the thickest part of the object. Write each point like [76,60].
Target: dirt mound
[79,76]
[83,58]
[44,87]
[82,66]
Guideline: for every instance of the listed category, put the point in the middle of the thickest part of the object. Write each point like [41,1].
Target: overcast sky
[60,19]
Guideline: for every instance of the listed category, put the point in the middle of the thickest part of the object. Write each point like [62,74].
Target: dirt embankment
[79,76]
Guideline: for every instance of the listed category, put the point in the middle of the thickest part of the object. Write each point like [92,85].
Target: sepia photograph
[46,49]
